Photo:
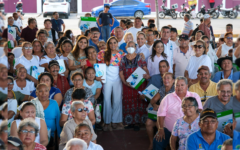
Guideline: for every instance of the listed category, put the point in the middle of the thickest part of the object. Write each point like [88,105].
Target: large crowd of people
[196,106]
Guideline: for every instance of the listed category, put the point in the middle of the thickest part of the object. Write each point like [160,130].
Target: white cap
[206,16]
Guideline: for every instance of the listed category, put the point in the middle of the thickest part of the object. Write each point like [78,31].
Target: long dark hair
[42,49]
[87,48]
[67,34]
[64,42]
[76,49]
[108,52]
[154,51]
[59,44]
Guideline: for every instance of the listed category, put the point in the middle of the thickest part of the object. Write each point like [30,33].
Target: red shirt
[211,1]
[29,34]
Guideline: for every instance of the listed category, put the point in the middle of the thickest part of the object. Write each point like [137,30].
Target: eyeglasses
[207,122]
[229,38]
[187,106]
[224,92]
[82,109]
[26,131]
[75,80]
[28,48]
[198,46]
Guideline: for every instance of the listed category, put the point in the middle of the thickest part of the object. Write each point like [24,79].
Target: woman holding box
[112,113]
[134,111]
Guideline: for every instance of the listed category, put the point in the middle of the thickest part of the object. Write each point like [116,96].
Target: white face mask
[130,50]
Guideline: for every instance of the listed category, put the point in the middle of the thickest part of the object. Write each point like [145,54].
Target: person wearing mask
[174,36]
[204,25]
[127,38]
[57,23]
[207,137]
[205,88]
[224,48]
[95,34]
[29,33]
[137,27]
[52,34]
[188,25]
[181,56]
[150,39]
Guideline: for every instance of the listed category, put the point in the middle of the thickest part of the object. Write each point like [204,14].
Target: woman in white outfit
[224,48]
[112,113]
[141,45]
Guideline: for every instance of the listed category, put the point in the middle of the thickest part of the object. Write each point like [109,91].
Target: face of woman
[85,134]
[26,136]
[22,74]
[79,115]
[198,36]
[4,74]
[168,80]
[10,84]
[36,47]
[90,75]
[141,40]
[199,51]
[43,93]
[113,44]
[28,112]
[67,48]
[159,48]
[129,38]
[50,49]
[188,108]
[27,50]
[82,44]
[92,54]
[4,135]
[206,42]
[77,81]
[45,79]
[229,39]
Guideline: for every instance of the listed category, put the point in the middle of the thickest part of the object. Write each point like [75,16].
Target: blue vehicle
[130,8]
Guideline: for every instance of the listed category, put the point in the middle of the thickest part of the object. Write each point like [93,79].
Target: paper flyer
[150,91]
[224,118]
[87,23]
[36,71]
[152,114]
[136,78]
[101,70]
[62,66]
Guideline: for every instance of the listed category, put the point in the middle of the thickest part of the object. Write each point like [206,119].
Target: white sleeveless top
[37,139]
[47,59]
[225,50]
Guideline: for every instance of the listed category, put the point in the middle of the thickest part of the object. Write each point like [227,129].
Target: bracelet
[160,128]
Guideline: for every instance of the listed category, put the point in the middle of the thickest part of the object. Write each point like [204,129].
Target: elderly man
[137,27]
[170,110]
[227,72]
[76,144]
[236,99]
[205,88]
[181,56]
[204,25]
[14,143]
[207,138]
[119,33]
[94,39]
[188,25]
[223,101]
[29,33]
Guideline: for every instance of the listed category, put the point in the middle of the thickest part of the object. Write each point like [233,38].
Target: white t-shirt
[50,35]
[134,32]
[120,43]
[27,90]
[181,60]
[196,62]
[153,66]
[4,60]
[188,26]
[143,50]
[46,59]
[28,63]
[212,55]
[168,50]
[64,58]
[18,23]
[2,51]
[12,106]
[17,51]
[92,146]
[225,50]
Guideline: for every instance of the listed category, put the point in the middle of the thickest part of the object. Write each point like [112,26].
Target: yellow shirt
[211,91]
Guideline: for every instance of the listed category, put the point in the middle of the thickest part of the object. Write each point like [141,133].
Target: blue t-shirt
[123,47]
[195,141]
[236,140]
[57,24]
[52,117]
[236,76]
[156,80]
[93,44]
[94,86]
[53,91]
[220,75]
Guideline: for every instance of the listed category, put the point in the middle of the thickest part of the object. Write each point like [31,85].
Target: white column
[169,4]
[196,9]
[79,6]
[39,6]
[224,4]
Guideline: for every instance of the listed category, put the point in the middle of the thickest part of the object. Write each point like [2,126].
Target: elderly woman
[83,131]
[21,83]
[27,132]
[27,60]
[38,49]
[77,79]
[76,144]
[3,80]
[77,95]
[196,61]
[112,112]
[185,125]
[127,38]
[224,48]
[60,81]
[4,131]
[79,113]
[54,93]
[168,87]
[48,109]
[28,110]
[131,99]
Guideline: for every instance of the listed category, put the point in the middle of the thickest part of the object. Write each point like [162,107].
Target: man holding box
[170,110]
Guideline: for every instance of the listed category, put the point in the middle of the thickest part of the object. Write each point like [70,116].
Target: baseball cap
[94,29]
[14,141]
[208,113]
[203,67]
[174,30]
[53,62]
[183,36]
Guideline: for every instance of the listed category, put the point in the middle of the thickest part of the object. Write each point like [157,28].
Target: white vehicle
[60,6]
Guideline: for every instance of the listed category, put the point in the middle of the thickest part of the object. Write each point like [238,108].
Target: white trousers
[112,109]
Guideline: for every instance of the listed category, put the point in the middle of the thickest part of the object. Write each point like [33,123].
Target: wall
[29,6]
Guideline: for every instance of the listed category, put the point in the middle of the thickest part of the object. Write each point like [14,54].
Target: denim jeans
[162,145]
[106,30]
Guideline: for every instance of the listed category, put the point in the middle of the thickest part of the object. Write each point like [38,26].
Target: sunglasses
[229,38]
[82,109]
[28,48]
[198,46]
